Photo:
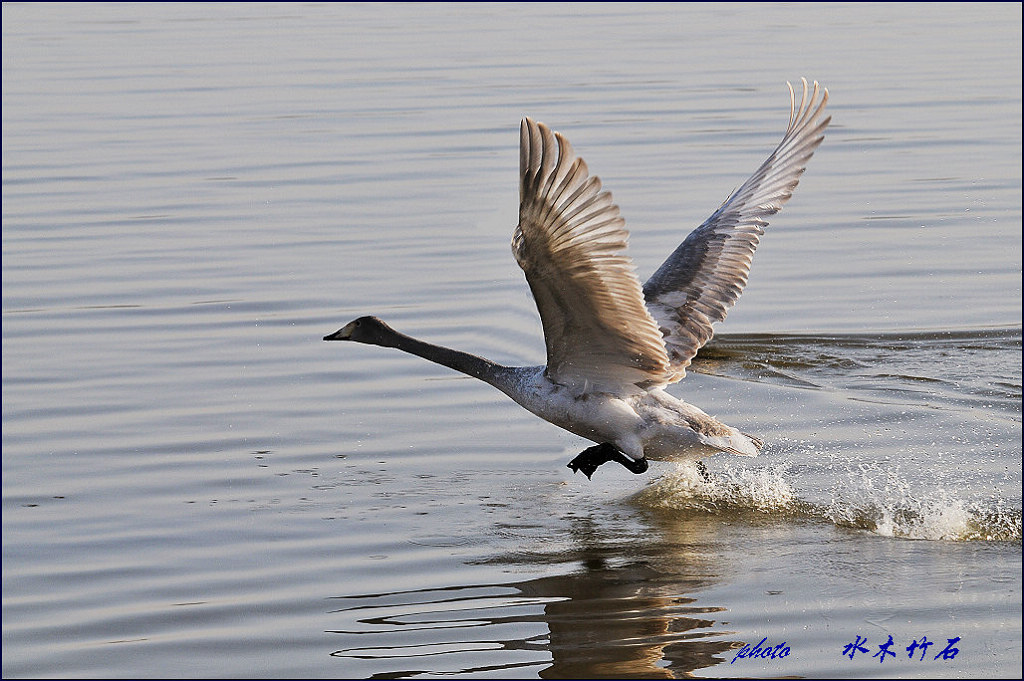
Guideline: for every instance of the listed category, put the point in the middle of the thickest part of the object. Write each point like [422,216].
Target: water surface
[194,484]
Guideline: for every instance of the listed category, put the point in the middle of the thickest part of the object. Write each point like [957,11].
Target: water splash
[880,500]
[731,489]
[869,497]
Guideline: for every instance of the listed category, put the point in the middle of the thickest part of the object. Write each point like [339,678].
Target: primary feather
[701,280]
[570,242]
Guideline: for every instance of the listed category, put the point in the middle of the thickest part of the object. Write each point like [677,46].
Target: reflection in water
[605,620]
[620,623]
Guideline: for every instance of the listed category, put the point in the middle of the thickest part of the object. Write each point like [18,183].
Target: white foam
[879,500]
[871,497]
[764,490]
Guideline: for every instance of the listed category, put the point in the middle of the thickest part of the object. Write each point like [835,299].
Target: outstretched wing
[570,242]
[705,275]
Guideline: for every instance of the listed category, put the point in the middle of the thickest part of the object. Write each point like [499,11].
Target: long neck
[474,366]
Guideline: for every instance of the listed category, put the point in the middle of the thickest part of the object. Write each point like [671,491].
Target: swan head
[365,330]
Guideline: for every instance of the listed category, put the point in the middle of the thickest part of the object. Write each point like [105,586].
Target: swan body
[642,424]
[612,344]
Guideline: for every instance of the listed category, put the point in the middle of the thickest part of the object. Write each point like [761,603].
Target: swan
[612,344]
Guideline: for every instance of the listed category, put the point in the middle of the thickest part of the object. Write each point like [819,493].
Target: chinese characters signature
[884,649]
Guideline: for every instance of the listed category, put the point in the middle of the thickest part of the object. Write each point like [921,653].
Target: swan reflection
[613,617]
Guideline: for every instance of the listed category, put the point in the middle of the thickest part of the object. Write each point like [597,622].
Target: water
[195,485]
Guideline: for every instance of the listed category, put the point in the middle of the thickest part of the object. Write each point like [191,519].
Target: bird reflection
[621,623]
[616,616]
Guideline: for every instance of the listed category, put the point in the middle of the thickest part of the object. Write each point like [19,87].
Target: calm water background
[194,484]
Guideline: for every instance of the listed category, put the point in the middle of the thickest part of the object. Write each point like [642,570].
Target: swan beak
[344,333]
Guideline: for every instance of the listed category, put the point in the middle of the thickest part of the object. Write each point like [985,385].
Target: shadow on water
[617,614]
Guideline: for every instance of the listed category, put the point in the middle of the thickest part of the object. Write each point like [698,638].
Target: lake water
[194,484]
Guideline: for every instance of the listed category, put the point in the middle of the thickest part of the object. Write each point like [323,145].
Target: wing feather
[698,284]
[571,244]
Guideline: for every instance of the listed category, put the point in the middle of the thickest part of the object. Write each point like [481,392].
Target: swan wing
[701,280]
[571,244]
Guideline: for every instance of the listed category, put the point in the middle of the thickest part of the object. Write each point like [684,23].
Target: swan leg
[591,458]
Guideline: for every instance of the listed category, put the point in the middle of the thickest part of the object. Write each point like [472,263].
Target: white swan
[613,346]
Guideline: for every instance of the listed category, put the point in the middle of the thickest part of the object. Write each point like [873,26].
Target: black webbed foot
[591,458]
